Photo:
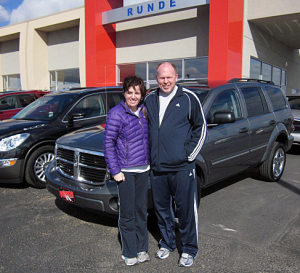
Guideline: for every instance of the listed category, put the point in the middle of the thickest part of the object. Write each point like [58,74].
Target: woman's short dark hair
[133,81]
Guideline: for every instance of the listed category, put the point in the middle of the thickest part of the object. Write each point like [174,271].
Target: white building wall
[33,59]
[36,66]
[10,57]
[63,49]
[268,8]
[180,34]
[259,44]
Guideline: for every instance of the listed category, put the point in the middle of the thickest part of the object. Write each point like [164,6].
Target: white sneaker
[162,253]
[186,260]
[143,257]
[130,261]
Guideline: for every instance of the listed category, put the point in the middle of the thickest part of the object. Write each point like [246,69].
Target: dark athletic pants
[133,193]
[182,186]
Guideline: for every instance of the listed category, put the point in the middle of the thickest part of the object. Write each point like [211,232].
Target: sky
[15,11]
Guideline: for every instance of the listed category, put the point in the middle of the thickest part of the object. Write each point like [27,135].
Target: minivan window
[46,108]
[255,101]
[26,99]
[277,98]
[8,102]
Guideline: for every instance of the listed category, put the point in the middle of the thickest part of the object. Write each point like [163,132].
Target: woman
[126,153]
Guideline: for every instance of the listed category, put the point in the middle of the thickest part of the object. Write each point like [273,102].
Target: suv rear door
[261,121]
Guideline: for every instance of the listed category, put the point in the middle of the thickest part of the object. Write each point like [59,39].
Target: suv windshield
[46,108]
[201,93]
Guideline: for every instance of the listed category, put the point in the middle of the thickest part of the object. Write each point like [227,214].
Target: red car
[11,102]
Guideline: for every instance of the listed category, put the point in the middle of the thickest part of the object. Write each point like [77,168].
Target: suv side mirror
[74,115]
[222,117]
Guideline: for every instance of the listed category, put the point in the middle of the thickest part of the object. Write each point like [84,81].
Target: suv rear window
[255,101]
[277,98]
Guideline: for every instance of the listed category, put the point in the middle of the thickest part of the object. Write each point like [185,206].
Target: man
[177,131]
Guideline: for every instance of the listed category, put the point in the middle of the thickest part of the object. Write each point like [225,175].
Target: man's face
[166,77]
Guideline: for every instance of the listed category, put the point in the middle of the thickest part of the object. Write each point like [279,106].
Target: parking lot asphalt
[245,225]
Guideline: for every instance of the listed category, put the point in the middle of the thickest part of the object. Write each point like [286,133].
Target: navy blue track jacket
[175,144]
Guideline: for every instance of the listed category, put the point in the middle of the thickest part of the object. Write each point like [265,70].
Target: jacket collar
[179,91]
[127,109]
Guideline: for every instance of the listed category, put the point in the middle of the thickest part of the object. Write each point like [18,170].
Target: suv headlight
[12,142]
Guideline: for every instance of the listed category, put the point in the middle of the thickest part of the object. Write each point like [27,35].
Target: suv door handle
[244,130]
[272,122]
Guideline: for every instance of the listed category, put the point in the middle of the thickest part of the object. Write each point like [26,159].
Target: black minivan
[27,140]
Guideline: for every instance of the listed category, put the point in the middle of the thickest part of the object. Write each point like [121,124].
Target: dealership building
[102,42]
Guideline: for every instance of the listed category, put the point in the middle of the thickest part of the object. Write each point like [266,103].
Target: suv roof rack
[198,81]
[193,82]
[249,80]
[78,88]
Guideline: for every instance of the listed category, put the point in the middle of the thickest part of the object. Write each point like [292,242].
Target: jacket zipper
[142,128]
[159,126]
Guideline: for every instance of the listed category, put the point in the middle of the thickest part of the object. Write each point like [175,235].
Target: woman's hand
[119,177]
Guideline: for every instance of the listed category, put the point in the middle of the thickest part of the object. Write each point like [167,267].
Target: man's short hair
[173,65]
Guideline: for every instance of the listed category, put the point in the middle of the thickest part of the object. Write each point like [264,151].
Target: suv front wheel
[37,164]
[272,169]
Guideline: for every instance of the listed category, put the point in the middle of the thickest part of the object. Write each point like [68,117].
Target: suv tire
[272,169]
[36,166]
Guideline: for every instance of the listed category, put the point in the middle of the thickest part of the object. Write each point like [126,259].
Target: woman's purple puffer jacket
[126,139]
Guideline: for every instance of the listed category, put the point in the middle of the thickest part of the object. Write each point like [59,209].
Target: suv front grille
[93,160]
[81,165]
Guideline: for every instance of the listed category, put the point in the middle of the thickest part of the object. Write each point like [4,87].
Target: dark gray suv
[249,126]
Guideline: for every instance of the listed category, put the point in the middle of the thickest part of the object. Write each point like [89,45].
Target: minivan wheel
[37,164]
[272,169]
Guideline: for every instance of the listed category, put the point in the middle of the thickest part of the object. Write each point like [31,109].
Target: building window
[11,82]
[264,71]
[193,68]
[276,75]
[63,79]
[196,68]
[255,69]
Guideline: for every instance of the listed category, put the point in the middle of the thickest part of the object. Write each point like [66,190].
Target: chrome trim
[77,165]
[229,158]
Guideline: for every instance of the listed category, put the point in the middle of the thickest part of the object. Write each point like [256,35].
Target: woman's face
[133,97]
